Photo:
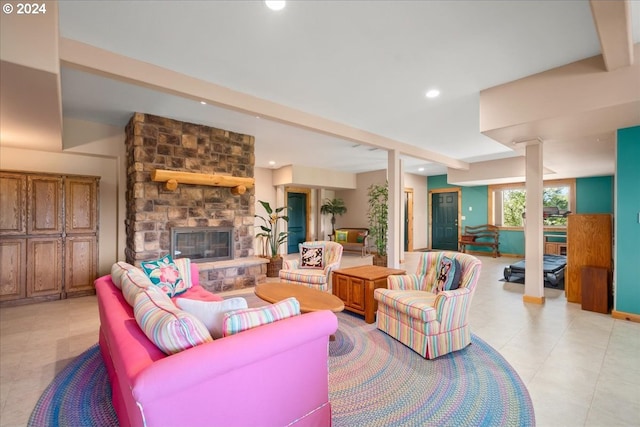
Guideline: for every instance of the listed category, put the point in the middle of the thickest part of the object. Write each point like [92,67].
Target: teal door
[297,204]
[445,221]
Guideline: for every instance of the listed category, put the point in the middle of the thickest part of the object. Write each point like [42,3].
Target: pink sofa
[273,375]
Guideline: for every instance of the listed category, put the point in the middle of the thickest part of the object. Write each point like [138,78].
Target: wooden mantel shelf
[239,185]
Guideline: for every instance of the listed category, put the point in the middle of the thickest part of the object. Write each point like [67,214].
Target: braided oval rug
[373,381]
[376,381]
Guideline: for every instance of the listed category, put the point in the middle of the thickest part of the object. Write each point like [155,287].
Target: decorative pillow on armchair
[448,275]
[312,256]
[164,273]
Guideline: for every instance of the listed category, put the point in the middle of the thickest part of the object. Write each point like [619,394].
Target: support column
[395,191]
[534,245]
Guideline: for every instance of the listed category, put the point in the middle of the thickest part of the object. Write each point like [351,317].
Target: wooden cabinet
[555,243]
[13,268]
[44,206]
[81,260]
[589,239]
[13,202]
[44,266]
[355,286]
[48,236]
[81,205]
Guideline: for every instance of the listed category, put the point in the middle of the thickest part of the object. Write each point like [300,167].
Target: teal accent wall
[594,195]
[437,181]
[627,221]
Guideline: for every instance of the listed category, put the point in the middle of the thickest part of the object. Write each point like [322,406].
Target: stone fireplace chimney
[154,142]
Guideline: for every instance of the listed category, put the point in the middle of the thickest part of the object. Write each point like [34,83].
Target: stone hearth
[154,142]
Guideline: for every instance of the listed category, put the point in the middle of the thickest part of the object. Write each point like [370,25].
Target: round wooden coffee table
[309,299]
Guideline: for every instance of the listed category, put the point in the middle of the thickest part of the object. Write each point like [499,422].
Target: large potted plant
[272,237]
[333,207]
[378,215]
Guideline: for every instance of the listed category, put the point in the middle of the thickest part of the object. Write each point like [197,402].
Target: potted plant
[273,237]
[378,215]
[333,207]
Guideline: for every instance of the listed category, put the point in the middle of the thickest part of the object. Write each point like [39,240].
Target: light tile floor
[581,368]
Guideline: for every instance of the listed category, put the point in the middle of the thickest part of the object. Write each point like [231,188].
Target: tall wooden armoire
[589,244]
[48,236]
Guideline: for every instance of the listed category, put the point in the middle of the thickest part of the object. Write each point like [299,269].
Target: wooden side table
[355,286]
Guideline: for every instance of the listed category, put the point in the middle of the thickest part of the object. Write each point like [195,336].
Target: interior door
[408,220]
[444,210]
[297,204]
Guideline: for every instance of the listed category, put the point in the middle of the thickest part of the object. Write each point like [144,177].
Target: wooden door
[13,204]
[44,266]
[13,253]
[444,210]
[81,260]
[44,211]
[408,220]
[81,205]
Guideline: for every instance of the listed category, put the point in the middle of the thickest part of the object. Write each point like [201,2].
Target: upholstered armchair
[431,322]
[310,269]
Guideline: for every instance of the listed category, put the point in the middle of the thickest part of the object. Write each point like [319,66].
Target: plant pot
[380,260]
[274,266]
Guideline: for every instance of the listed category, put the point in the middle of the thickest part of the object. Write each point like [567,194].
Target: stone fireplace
[155,213]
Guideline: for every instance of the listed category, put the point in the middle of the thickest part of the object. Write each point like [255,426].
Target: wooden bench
[485,235]
[356,239]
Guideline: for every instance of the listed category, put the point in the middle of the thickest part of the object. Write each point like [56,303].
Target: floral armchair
[430,322]
[313,268]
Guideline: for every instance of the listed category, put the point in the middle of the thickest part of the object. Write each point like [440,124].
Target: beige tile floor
[581,368]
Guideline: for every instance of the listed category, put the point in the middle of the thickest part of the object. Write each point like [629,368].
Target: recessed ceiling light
[203,103]
[433,93]
[275,4]
[420,169]
[272,163]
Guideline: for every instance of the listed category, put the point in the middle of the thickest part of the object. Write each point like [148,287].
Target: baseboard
[625,316]
[532,300]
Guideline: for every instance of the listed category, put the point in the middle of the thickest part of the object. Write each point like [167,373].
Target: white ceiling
[366,64]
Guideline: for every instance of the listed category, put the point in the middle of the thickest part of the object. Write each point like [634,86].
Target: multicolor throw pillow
[312,256]
[342,236]
[164,273]
[242,320]
[169,328]
[211,313]
[448,275]
[361,236]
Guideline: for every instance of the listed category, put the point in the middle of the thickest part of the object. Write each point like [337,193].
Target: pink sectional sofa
[272,375]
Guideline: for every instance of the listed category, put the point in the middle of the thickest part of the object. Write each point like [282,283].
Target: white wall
[420,209]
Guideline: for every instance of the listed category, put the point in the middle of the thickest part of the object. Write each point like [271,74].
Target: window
[507,204]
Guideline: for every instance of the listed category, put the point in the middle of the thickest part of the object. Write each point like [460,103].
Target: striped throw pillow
[133,282]
[184,268]
[242,320]
[168,327]
[117,272]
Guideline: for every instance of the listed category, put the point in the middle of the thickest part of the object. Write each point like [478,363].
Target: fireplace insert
[202,244]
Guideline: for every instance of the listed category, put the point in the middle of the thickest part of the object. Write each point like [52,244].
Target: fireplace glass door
[202,244]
